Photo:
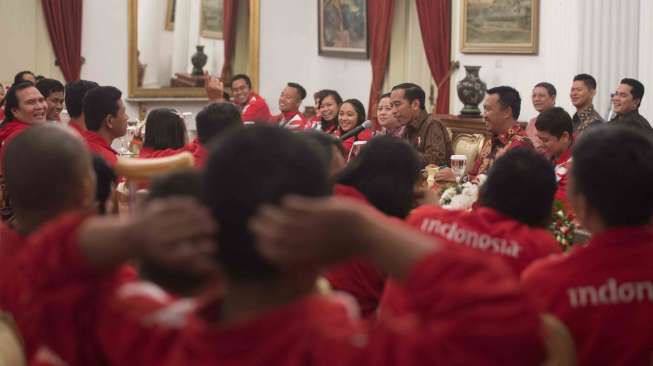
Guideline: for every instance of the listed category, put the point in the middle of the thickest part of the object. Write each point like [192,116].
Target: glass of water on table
[458,166]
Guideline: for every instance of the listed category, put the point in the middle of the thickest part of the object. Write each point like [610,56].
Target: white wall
[557,61]
[289,53]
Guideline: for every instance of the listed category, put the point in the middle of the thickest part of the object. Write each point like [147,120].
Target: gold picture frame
[170,15]
[135,91]
[500,26]
[212,19]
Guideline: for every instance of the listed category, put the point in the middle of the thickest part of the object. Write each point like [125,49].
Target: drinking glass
[458,166]
[356,149]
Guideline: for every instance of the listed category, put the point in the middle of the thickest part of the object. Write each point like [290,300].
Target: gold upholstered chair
[468,144]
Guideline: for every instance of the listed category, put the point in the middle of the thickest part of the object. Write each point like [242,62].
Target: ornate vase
[471,91]
[199,60]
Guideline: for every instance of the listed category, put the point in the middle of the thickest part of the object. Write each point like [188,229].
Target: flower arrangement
[461,196]
[563,226]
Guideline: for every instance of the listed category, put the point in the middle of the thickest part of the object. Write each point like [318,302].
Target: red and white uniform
[99,146]
[603,292]
[562,166]
[487,230]
[85,326]
[255,110]
[291,120]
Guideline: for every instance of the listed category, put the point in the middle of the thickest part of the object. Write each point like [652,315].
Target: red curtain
[379,15]
[229,33]
[64,20]
[435,24]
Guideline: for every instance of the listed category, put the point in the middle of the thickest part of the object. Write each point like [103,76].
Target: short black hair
[104,178]
[588,79]
[637,88]
[11,99]
[385,172]
[49,86]
[164,129]
[549,88]
[508,97]
[411,92]
[215,119]
[359,108]
[329,93]
[300,89]
[249,167]
[521,185]
[98,103]
[18,78]
[609,164]
[384,95]
[555,121]
[45,153]
[248,81]
[319,94]
[75,92]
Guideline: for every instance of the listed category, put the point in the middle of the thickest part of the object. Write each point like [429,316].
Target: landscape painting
[500,26]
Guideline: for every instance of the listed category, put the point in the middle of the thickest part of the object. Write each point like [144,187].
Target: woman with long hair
[389,124]
[351,115]
[327,108]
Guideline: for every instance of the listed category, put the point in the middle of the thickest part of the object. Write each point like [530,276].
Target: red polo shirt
[603,292]
[487,230]
[294,120]
[80,131]
[256,110]
[497,326]
[98,145]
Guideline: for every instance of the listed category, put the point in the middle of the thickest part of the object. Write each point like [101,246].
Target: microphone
[355,131]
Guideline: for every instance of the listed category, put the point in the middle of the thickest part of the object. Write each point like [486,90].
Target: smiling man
[501,109]
[626,101]
[24,106]
[289,101]
[254,107]
[53,92]
[582,95]
[425,133]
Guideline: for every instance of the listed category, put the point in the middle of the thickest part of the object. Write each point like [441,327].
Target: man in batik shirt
[501,109]
[582,95]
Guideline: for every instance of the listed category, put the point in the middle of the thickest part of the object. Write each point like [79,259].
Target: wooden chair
[138,172]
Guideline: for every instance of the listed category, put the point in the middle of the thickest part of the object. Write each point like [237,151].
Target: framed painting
[500,26]
[212,19]
[170,15]
[342,28]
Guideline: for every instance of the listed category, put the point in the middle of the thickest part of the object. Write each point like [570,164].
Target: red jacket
[199,151]
[99,146]
[361,279]
[487,230]
[8,131]
[603,292]
[347,144]
[562,166]
[256,110]
[85,326]
[294,120]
